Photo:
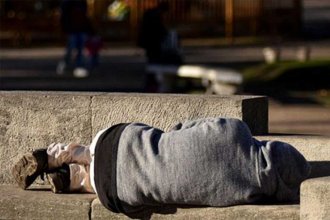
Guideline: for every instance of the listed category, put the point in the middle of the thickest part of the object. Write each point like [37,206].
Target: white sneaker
[80,72]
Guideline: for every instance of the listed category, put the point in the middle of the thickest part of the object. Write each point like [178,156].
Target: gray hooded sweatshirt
[207,162]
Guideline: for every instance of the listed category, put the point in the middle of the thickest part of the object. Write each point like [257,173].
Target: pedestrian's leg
[69,48]
[95,60]
[80,44]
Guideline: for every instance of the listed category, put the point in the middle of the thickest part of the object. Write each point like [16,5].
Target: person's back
[212,162]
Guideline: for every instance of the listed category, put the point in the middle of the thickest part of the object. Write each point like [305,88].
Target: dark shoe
[60,179]
[29,167]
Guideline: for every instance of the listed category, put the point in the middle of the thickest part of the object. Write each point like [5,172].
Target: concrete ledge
[40,203]
[30,120]
[315,199]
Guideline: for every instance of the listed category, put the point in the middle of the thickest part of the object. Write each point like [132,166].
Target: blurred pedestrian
[75,23]
[94,44]
[154,37]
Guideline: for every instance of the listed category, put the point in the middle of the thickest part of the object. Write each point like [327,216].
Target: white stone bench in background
[221,81]
[275,54]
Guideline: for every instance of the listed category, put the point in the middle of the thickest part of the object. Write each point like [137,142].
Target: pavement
[123,70]
[299,118]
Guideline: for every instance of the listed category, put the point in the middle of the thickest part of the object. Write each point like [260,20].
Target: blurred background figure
[93,44]
[75,23]
[160,44]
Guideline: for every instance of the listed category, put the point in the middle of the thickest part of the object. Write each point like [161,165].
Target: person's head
[292,169]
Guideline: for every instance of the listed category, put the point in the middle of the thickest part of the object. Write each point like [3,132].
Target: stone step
[40,203]
[315,199]
[30,120]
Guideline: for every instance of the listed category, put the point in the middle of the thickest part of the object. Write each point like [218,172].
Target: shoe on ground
[80,72]
[29,167]
[60,179]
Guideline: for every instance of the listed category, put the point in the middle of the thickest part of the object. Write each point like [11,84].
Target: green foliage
[265,73]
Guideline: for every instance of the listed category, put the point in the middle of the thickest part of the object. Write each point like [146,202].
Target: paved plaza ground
[299,119]
[123,70]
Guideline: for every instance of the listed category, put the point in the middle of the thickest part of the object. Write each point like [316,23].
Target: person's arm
[59,154]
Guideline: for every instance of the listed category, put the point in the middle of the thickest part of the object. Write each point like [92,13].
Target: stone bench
[29,120]
[222,81]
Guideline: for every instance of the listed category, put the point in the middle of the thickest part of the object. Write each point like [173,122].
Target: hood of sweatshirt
[290,169]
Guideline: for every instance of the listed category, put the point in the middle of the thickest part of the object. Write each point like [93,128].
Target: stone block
[165,110]
[315,199]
